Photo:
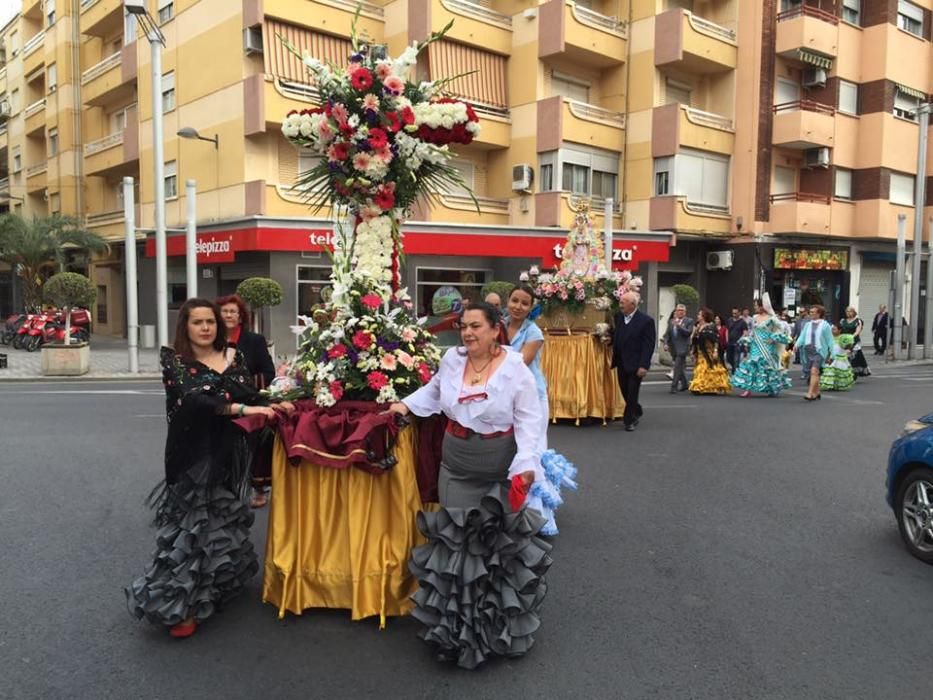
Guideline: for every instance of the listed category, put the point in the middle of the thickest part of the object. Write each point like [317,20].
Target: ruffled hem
[834,379]
[545,494]
[755,374]
[203,556]
[708,380]
[481,577]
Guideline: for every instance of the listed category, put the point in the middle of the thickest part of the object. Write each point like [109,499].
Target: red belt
[457,430]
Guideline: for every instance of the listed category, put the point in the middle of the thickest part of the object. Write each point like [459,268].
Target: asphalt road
[729,548]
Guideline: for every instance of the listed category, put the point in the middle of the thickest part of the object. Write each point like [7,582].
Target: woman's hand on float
[399,408]
[266,411]
[286,407]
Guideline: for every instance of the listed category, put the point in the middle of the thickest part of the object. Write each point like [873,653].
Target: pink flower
[388,362]
[336,390]
[394,85]
[361,161]
[371,102]
[384,154]
[405,359]
[383,69]
[376,380]
[340,113]
[371,301]
[363,340]
[424,373]
[338,152]
[409,334]
[337,351]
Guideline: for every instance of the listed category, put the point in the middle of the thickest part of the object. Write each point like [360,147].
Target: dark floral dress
[203,552]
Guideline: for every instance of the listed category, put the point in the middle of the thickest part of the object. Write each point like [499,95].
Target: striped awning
[911,92]
[814,59]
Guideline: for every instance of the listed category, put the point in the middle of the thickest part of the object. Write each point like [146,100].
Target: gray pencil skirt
[471,466]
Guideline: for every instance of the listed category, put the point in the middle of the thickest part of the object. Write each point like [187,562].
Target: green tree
[688,296]
[36,248]
[260,292]
[69,290]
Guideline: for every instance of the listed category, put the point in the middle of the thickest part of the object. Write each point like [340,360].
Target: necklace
[478,373]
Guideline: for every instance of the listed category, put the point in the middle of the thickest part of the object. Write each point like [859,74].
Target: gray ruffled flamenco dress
[481,573]
[203,552]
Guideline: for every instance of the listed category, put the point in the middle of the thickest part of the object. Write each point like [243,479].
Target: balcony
[4,186]
[113,155]
[32,9]
[580,35]
[109,224]
[101,18]
[36,179]
[553,209]
[561,119]
[332,18]
[690,43]
[800,212]
[111,80]
[33,53]
[676,125]
[460,209]
[803,124]
[675,213]
[474,24]
[807,29]
[35,116]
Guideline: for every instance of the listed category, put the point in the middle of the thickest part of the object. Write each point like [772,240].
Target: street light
[156,41]
[187,132]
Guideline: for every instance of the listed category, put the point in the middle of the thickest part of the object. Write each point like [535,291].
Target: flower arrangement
[573,292]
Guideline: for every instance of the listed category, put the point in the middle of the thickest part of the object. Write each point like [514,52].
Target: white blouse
[512,402]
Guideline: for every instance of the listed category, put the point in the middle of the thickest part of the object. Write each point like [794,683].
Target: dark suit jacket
[258,361]
[633,344]
[880,324]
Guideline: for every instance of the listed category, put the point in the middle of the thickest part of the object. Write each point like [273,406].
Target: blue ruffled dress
[761,371]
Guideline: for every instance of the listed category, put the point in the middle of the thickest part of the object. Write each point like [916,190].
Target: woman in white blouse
[481,573]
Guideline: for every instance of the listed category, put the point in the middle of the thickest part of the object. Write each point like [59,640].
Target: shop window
[168,91]
[905,104]
[177,294]
[313,287]
[848,97]
[910,17]
[166,10]
[902,189]
[53,142]
[468,283]
[171,179]
[842,189]
[102,303]
[852,11]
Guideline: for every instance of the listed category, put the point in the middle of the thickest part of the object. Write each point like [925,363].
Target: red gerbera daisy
[376,380]
[384,199]
[361,79]
[378,138]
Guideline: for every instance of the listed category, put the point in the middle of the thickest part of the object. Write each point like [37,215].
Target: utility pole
[898,309]
[130,278]
[191,235]
[919,196]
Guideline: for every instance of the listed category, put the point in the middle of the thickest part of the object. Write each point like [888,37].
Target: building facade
[747,146]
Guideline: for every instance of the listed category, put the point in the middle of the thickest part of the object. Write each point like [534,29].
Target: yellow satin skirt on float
[341,538]
[580,383]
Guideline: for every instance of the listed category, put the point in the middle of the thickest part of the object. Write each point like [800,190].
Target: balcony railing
[804,106]
[35,107]
[472,9]
[33,44]
[704,26]
[588,16]
[87,3]
[715,121]
[36,169]
[582,110]
[800,197]
[367,8]
[106,217]
[4,185]
[807,11]
[485,203]
[103,144]
[100,68]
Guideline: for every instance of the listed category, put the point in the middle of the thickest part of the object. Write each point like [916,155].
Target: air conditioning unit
[816,158]
[719,260]
[252,40]
[522,177]
[814,77]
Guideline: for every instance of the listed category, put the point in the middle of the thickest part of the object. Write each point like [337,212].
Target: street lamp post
[191,256]
[156,43]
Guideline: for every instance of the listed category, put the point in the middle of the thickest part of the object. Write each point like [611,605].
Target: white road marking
[111,392]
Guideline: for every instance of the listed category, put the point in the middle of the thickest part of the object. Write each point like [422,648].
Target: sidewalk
[109,360]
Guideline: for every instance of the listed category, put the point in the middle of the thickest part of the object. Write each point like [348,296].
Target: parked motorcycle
[10,326]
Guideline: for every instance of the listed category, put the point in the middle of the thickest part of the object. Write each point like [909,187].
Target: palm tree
[38,248]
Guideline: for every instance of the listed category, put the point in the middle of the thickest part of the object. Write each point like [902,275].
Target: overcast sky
[8,8]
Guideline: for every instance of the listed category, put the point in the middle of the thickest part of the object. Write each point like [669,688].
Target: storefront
[806,276]
[294,252]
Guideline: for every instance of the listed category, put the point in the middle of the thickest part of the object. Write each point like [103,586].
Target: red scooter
[22,333]
[54,331]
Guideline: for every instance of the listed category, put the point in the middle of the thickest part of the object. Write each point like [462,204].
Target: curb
[84,378]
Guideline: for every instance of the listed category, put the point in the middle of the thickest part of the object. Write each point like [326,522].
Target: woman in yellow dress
[709,375]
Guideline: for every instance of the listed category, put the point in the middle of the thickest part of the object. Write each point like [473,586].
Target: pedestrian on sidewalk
[677,341]
[853,325]
[816,346]
[633,340]
[879,329]
[736,328]
[203,552]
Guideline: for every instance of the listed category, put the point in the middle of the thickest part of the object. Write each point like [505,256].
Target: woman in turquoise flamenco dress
[761,371]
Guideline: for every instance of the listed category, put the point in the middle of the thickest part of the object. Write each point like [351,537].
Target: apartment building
[746,145]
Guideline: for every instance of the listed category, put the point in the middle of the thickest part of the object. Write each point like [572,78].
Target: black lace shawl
[706,341]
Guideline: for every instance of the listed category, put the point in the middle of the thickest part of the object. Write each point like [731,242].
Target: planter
[66,360]
[566,320]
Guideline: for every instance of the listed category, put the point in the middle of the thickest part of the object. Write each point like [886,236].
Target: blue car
[909,486]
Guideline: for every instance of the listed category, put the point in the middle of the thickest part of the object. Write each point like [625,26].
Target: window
[168,92]
[119,192]
[663,176]
[170,178]
[843,185]
[55,203]
[101,303]
[118,121]
[50,12]
[53,142]
[467,174]
[851,11]
[575,178]
[905,105]
[570,87]
[581,170]
[910,18]
[17,159]
[14,101]
[701,177]
[166,10]
[313,287]
[129,28]
[307,160]
[786,92]
[14,43]
[848,97]
[547,178]
[790,5]
[52,77]
[675,92]
[785,180]
[902,189]
[604,184]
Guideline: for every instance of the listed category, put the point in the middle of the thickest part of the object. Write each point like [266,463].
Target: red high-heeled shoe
[183,629]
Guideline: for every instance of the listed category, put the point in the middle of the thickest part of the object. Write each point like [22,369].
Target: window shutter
[843,186]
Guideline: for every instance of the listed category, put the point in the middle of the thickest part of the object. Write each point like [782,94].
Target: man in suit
[677,341]
[879,327]
[633,340]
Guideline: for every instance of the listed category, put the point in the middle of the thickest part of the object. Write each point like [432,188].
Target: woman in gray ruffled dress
[481,573]
[203,552]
